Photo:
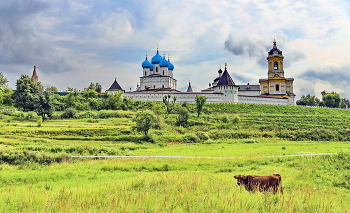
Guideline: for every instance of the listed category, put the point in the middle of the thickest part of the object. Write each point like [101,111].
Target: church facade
[157,81]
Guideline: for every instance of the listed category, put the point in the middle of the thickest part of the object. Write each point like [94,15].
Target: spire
[35,76]
[189,89]
[225,78]
[115,86]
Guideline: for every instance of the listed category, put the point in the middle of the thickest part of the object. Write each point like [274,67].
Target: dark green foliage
[20,157]
[145,120]
[182,118]
[190,138]
[200,101]
[27,94]
[95,87]
[331,100]
[308,100]
[44,106]
[69,113]
[168,104]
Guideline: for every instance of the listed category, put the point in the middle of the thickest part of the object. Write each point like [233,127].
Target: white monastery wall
[242,99]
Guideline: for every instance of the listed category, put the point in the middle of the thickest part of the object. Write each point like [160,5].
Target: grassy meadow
[39,173]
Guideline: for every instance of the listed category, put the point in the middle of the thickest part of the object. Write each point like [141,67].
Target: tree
[308,100]
[27,93]
[97,87]
[145,120]
[3,81]
[182,118]
[200,101]
[44,105]
[5,92]
[331,100]
[168,105]
[51,89]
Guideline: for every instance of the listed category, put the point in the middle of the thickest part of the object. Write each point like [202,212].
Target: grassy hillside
[38,172]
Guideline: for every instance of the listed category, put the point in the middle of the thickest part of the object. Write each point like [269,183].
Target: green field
[39,173]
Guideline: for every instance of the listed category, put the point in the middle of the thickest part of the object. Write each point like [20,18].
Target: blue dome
[164,63]
[170,66]
[157,58]
[147,64]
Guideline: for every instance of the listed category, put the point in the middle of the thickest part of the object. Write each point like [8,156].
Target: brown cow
[261,183]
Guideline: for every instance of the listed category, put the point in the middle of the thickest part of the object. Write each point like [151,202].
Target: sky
[77,42]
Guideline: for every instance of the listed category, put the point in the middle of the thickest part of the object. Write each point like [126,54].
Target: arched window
[145,73]
[163,72]
[275,65]
[277,87]
[156,69]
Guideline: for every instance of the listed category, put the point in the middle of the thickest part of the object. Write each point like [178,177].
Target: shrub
[69,113]
[224,118]
[88,114]
[182,118]
[203,136]
[39,121]
[190,138]
[236,120]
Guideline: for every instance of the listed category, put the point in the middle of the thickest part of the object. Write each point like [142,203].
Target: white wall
[262,100]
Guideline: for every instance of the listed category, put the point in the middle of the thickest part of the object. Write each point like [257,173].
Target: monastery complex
[157,81]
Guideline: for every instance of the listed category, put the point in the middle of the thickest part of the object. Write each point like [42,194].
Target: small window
[275,65]
[156,69]
[145,73]
[277,87]
[163,72]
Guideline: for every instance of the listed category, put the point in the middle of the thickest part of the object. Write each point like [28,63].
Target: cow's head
[241,180]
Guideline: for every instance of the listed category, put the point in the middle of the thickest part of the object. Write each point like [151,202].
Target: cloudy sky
[76,42]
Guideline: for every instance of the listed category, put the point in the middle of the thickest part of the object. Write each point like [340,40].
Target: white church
[158,81]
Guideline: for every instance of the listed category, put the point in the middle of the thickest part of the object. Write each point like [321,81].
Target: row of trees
[332,100]
[31,96]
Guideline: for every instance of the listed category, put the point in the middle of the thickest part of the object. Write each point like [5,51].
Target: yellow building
[276,84]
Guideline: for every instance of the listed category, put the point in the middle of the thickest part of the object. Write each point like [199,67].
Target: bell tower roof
[275,50]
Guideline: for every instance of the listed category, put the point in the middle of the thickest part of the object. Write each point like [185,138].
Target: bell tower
[276,84]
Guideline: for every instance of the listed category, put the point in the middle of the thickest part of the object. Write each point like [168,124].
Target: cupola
[157,58]
[163,62]
[146,64]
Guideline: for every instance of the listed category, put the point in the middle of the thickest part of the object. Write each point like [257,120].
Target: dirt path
[205,157]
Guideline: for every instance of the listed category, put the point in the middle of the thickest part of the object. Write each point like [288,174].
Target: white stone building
[157,81]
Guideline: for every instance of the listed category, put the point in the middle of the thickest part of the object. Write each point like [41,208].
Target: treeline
[31,96]
[332,100]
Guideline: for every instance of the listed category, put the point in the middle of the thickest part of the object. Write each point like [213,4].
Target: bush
[69,113]
[203,136]
[224,118]
[182,118]
[236,120]
[39,121]
[190,138]
[88,114]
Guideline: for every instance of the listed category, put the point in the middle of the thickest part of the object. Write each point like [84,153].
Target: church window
[154,86]
[145,73]
[163,72]
[156,69]
[275,65]
[277,87]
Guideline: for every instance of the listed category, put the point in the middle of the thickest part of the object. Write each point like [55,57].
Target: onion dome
[220,71]
[164,63]
[275,50]
[170,66]
[157,58]
[147,64]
